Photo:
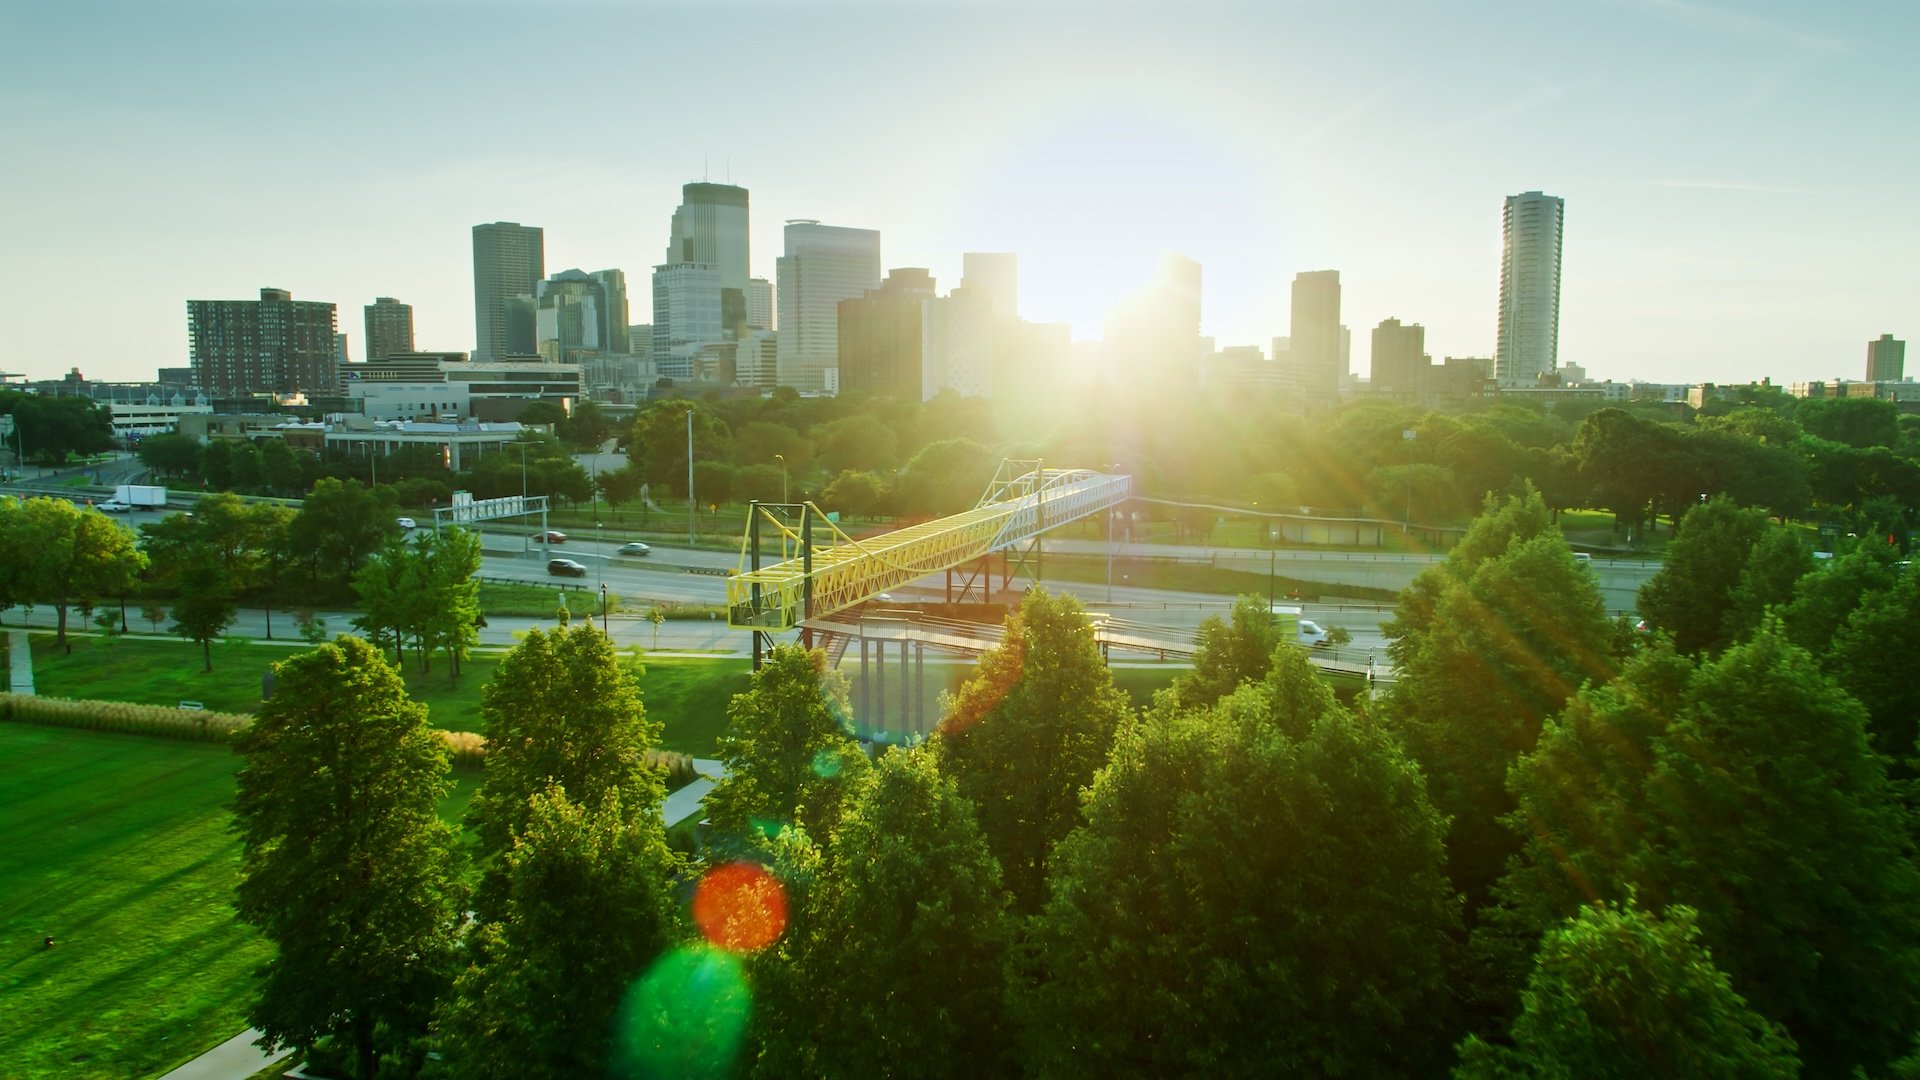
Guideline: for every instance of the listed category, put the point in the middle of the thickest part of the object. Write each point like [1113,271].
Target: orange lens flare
[740,907]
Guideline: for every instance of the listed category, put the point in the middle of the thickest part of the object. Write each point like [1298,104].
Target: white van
[1311,634]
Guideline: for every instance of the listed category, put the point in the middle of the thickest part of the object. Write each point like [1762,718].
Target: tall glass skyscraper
[824,265]
[700,290]
[1529,342]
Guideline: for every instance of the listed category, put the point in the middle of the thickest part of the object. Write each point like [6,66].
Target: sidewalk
[686,802]
[19,663]
[235,1059]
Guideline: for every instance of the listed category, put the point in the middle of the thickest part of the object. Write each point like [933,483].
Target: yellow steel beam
[843,572]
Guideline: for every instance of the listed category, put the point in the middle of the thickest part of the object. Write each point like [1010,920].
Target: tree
[1759,804]
[206,606]
[790,756]
[1027,732]
[1486,646]
[560,712]
[1857,422]
[1824,600]
[1259,889]
[1619,456]
[279,467]
[1692,596]
[588,428]
[51,427]
[171,454]
[586,907]
[945,477]
[69,554]
[859,494]
[1229,654]
[1618,992]
[621,485]
[659,444]
[1777,563]
[339,524]
[904,938]
[859,443]
[1872,657]
[347,869]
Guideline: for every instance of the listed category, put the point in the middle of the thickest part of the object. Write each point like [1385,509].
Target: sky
[1740,178]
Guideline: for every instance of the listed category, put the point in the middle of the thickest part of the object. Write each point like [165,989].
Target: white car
[405,523]
[113,506]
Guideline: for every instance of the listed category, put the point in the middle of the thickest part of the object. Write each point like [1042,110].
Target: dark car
[551,536]
[566,568]
[635,548]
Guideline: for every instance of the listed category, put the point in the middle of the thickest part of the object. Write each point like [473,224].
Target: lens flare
[686,1017]
[826,764]
[740,907]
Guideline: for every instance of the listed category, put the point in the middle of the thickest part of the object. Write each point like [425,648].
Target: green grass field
[119,850]
[688,696]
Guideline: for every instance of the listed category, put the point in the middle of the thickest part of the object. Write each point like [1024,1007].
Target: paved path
[19,663]
[685,803]
[235,1059]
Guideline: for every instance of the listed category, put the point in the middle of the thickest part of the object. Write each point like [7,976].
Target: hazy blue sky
[1740,178]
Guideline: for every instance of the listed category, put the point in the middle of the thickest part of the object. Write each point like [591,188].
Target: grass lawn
[121,853]
[688,696]
[539,601]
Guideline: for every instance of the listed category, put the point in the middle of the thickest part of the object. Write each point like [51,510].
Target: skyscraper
[1529,341]
[710,227]
[509,259]
[389,328]
[880,344]
[571,318]
[686,315]
[1313,345]
[613,313]
[823,265]
[1886,359]
[759,304]
[275,344]
[1399,357]
[995,274]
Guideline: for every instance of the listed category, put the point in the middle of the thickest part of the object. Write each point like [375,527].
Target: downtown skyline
[1733,177]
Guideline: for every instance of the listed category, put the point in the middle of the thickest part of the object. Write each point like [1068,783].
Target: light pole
[603,612]
[1273,548]
[1110,512]
[523,476]
[1406,528]
[782,459]
[693,518]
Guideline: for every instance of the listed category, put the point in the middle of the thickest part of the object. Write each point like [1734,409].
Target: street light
[1111,511]
[603,612]
[782,459]
[1273,547]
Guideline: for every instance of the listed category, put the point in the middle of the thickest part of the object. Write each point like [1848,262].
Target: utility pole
[693,515]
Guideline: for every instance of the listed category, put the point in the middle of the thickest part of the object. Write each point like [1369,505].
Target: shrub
[197,725]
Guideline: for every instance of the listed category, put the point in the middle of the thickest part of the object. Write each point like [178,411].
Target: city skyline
[1725,229]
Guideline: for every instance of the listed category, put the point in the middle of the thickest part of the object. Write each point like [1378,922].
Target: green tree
[621,485]
[588,428]
[1027,732]
[858,443]
[1616,992]
[1778,561]
[1486,646]
[1229,653]
[340,523]
[788,749]
[1259,889]
[1872,657]
[560,711]
[52,427]
[1857,422]
[659,443]
[216,464]
[279,467]
[1692,596]
[171,454]
[70,555]
[206,606]
[945,477]
[586,907]
[860,494]
[347,869]
[905,938]
[1825,599]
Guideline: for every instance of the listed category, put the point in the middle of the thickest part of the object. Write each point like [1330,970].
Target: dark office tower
[710,228]
[880,345]
[1529,341]
[275,344]
[613,337]
[1399,357]
[1886,359]
[1313,352]
[509,260]
[389,328]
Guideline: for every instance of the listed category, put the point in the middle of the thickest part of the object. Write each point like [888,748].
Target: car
[1583,558]
[635,548]
[566,568]
[1312,635]
[113,506]
[405,523]
[551,536]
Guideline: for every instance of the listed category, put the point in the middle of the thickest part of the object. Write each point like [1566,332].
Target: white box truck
[141,496]
[1304,632]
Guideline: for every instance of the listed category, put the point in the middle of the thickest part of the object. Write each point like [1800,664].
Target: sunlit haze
[1738,179]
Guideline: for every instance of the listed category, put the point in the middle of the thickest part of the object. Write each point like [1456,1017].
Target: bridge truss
[822,570]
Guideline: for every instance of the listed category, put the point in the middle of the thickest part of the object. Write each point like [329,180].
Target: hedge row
[198,725]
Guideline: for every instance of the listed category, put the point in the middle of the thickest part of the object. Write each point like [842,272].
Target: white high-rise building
[509,260]
[759,304]
[686,315]
[823,265]
[997,275]
[710,228]
[1529,342]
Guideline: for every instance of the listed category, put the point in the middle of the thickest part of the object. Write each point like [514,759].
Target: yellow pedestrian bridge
[821,570]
